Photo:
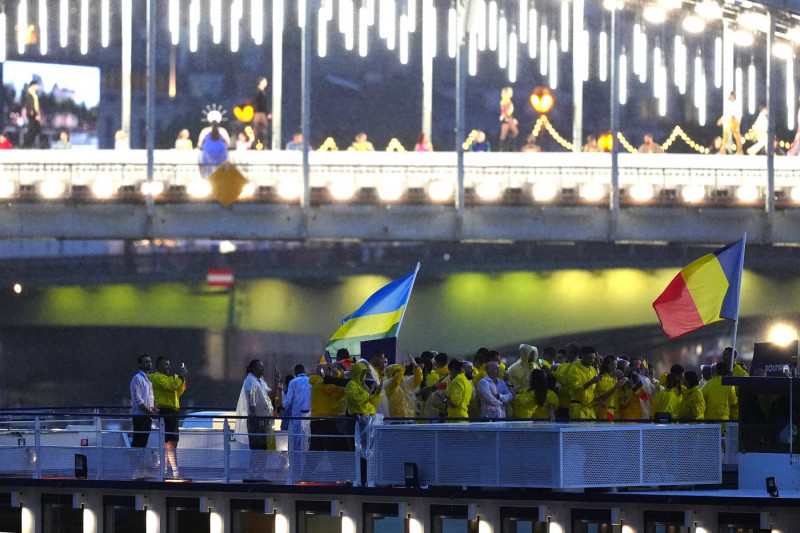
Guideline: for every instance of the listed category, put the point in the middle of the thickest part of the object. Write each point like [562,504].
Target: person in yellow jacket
[519,373]
[167,390]
[400,390]
[607,390]
[694,404]
[581,379]
[738,371]
[719,398]
[537,400]
[327,400]
[669,399]
[459,392]
[571,352]
[361,398]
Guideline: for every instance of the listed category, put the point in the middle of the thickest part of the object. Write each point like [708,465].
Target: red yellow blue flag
[704,292]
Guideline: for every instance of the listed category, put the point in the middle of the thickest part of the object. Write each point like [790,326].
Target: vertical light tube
[257,21]
[327,6]
[382,21]
[452,32]
[698,73]
[391,18]
[363,24]
[492,25]
[175,21]
[63,23]
[472,54]
[348,8]
[602,56]
[523,21]
[584,54]
[728,58]
[278,28]
[623,78]
[322,33]
[641,47]
[480,30]
[22,25]
[301,13]
[412,16]
[342,19]
[370,12]
[679,74]
[637,63]
[43,27]
[564,26]
[662,101]
[553,52]
[543,56]
[512,56]
[790,93]
[84,27]
[194,22]
[215,14]
[404,39]
[739,88]
[701,112]
[3,36]
[718,62]
[751,86]
[502,43]
[657,69]
[237,10]
[533,40]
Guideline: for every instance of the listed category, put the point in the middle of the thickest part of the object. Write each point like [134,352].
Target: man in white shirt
[759,131]
[143,408]
[494,393]
[729,121]
[297,404]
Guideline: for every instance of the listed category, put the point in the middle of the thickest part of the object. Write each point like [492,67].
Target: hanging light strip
[553,53]
[602,56]
[451,32]
[642,48]
[194,23]
[349,31]
[512,56]
[790,95]
[701,111]
[564,26]
[43,27]
[322,33]
[257,22]
[84,27]
[412,16]
[584,55]
[363,36]
[751,88]
[662,101]
[391,18]
[523,21]
[657,69]
[492,25]
[472,54]
[237,10]
[175,21]
[370,12]
[22,25]
[533,41]
[327,7]
[718,62]
[543,55]
[728,57]
[637,63]
[677,48]
[301,13]
[502,44]
[215,15]
[739,88]
[342,20]
[480,27]
[105,23]
[429,29]
[63,23]
[404,24]
[623,78]
[383,30]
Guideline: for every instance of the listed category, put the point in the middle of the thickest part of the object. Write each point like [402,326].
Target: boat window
[593,521]
[764,418]
[382,518]
[665,522]
[184,516]
[315,517]
[452,519]
[58,514]
[521,520]
[121,516]
[248,515]
[740,523]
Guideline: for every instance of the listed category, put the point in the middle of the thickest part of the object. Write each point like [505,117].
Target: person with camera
[167,390]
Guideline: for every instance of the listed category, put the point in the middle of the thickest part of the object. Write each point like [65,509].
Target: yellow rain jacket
[326,399]
[581,404]
[694,405]
[459,392]
[401,391]
[357,398]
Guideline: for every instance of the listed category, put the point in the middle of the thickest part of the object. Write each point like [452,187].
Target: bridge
[396,196]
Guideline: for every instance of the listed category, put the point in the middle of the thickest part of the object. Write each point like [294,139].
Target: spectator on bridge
[297,404]
[759,129]
[424,144]
[261,114]
[537,400]
[480,143]
[167,390]
[213,142]
[30,103]
[493,392]
[730,120]
[519,372]
[361,144]
[530,145]
[121,140]
[183,142]
[242,142]
[63,142]
[5,144]
[508,124]
[592,144]
[694,404]
[650,146]
[459,392]
[296,143]
[581,380]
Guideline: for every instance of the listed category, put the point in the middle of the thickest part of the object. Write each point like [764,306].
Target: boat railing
[96,444]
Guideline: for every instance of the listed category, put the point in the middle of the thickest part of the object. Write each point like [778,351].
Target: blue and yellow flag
[378,318]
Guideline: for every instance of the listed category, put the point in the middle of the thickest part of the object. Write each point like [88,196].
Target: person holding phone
[167,390]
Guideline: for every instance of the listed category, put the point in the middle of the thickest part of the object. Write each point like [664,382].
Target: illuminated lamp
[488,191]
[52,188]
[395,146]
[606,142]
[693,193]
[544,191]
[390,191]
[289,190]
[248,190]
[154,187]
[747,193]
[342,190]
[440,191]
[244,114]
[782,50]
[642,192]
[611,5]
[541,99]
[782,334]
[592,192]
[693,24]
[670,4]
[654,13]
[752,20]
[7,188]
[709,10]
[743,38]
[198,188]
[794,34]
[102,189]
[795,195]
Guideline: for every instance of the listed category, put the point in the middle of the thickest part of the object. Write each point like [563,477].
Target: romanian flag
[704,292]
[378,318]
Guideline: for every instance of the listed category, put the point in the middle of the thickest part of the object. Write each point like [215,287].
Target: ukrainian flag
[704,292]
[378,318]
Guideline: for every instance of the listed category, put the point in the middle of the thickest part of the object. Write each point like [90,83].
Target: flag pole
[405,307]
[738,302]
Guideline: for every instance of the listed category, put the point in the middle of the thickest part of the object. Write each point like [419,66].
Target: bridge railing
[96,445]
[397,177]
